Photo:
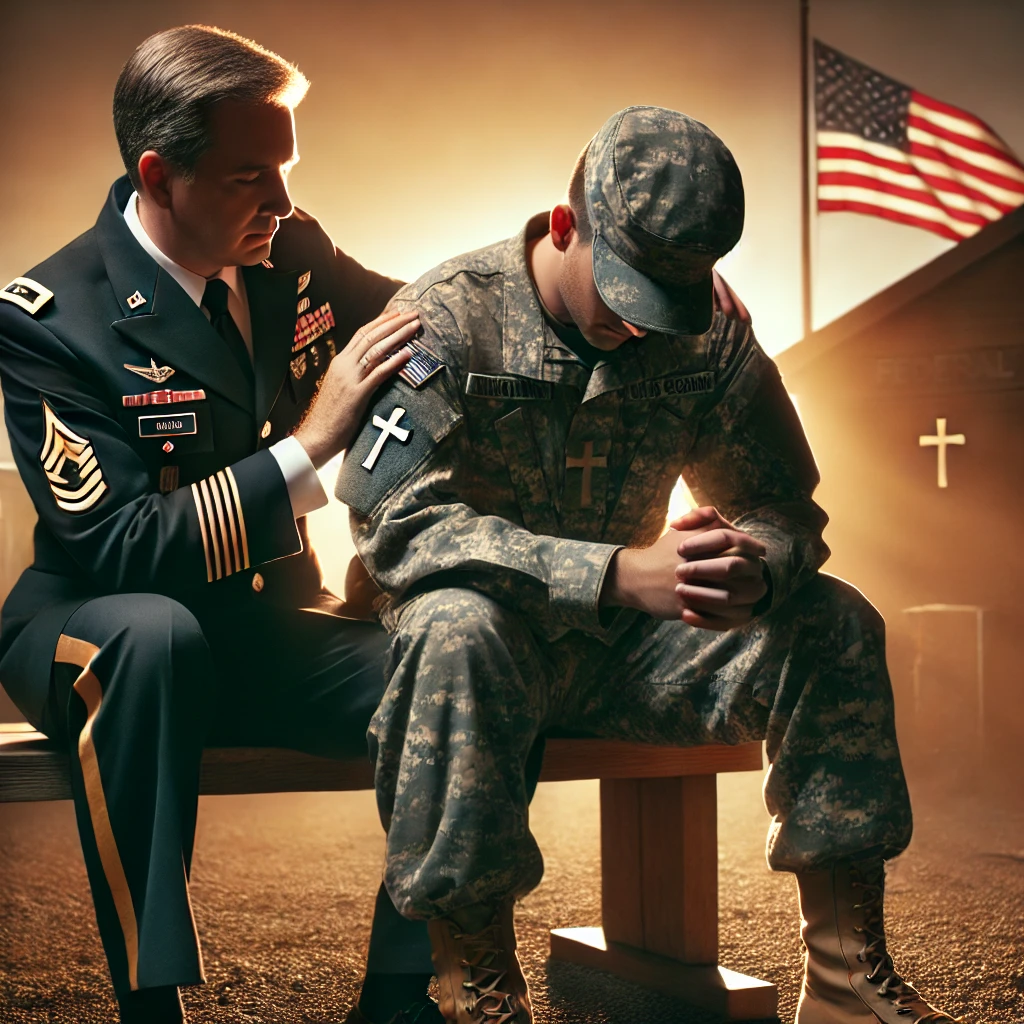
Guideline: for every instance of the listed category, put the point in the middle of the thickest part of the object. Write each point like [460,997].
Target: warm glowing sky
[432,128]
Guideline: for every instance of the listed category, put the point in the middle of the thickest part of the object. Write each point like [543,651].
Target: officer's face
[229,212]
[600,326]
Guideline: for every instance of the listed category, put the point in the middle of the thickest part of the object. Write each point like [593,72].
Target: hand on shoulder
[375,353]
[728,301]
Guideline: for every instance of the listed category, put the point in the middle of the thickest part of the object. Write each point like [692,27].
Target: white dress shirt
[305,492]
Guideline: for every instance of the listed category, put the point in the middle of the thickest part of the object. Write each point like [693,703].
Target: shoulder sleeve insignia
[28,294]
[404,427]
[70,464]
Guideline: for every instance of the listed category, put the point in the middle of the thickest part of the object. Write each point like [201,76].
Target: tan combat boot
[850,977]
[478,974]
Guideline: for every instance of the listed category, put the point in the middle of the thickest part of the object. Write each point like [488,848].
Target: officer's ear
[155,178]
[563,226]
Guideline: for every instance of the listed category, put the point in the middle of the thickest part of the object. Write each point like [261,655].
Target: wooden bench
[659,847]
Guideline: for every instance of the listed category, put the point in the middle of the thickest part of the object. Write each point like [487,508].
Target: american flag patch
[421,367]
[312,325]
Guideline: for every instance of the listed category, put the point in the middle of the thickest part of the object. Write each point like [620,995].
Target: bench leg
[659,898]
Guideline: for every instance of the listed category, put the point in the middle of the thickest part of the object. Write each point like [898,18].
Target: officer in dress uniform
[512,507]
[154,373]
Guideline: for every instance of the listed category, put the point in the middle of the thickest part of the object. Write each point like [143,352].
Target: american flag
[887,150]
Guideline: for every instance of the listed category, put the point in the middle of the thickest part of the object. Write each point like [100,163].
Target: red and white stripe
[957,177]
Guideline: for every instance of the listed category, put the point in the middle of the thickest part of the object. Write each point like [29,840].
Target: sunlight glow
[329,533]
[680,501]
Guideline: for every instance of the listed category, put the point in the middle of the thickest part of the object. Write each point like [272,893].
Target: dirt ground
[283,889]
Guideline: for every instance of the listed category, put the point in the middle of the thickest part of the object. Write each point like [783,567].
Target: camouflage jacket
[515,470]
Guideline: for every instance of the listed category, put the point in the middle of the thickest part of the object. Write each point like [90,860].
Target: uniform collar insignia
[131,270]
[157,374]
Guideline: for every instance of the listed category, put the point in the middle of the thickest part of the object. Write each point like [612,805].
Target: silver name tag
[167,426]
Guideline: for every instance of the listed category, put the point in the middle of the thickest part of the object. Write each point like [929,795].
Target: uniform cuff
[305,492]
[576,585]
[245,517]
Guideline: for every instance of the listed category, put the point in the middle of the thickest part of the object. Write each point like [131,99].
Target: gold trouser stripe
[202,530]
[241,516]
[71,651]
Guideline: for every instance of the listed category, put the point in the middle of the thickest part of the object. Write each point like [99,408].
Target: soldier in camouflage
[510,499]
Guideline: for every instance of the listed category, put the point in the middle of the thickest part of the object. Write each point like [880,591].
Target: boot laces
[483,951]
[905,998]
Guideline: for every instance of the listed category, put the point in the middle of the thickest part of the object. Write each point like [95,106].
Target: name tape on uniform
[685,384]
[165,397]
[520,389]
[167,426]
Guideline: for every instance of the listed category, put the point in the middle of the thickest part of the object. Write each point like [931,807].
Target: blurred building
[914,406]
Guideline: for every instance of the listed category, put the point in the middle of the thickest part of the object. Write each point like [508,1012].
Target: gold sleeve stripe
[203,533]
[222,525]
[72,651]
[241,516]
[225,491]
[211,522]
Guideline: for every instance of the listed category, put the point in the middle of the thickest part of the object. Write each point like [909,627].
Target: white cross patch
[388,428]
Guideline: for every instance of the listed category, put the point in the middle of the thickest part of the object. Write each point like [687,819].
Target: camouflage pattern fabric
[491,543]
[665,198]
[472,685]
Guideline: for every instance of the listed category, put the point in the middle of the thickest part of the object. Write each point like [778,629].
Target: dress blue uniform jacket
[135,494]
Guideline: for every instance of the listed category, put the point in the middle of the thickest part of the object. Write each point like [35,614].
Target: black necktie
[215,299]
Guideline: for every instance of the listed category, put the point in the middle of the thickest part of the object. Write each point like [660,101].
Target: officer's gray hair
[578,200]
[165,91]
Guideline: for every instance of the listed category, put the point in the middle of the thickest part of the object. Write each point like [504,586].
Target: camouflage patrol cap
[665,199]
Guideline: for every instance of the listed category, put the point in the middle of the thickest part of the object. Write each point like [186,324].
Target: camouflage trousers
[471,688]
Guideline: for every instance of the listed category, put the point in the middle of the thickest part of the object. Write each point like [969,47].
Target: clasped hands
[701,570]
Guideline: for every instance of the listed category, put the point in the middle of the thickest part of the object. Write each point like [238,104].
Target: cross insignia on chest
[587,463]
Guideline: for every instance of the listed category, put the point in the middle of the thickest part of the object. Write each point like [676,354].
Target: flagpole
[805,171]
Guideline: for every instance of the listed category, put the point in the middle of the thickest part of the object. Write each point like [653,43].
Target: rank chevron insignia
[157,374]
[71,467]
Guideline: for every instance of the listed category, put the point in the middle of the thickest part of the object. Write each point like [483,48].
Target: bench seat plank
[31,768]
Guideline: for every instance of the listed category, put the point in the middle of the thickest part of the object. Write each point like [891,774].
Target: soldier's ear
[563,224]
[155,178]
